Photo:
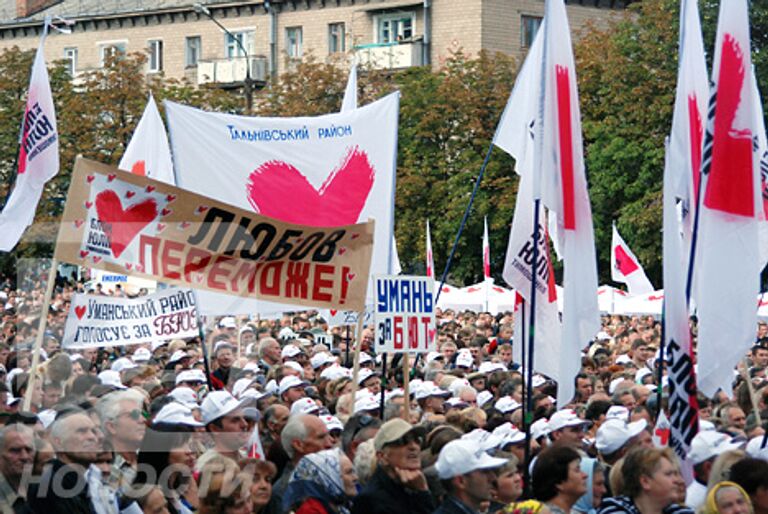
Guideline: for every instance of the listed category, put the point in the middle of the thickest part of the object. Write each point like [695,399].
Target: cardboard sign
[97,321]
[342,318]
[404,314]
[129,224]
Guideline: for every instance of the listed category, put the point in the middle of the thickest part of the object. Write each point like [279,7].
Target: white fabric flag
[148,153]
[430,259]
[683,405]
[349,103]
[625,267]
[727,256]
[486,252]
[762,154]
[323,171]
[38,154]
[688,119]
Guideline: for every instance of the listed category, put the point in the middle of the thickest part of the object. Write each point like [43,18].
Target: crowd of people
[274,423]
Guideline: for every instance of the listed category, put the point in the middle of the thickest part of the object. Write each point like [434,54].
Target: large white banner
[327,170]
[96,321]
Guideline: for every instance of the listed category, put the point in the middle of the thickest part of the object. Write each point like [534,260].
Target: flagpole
[40,336]
[528,413]
[201,334]
[464,221]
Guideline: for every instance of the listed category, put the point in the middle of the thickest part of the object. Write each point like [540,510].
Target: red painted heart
[124,224]
[130,194]
[79,223]
[96,259]
[139,268]
[88,205]
[339,200]
[111,177]
[89,178]
[170,198]
[128,266]
[342,250]
[333,312]
[166,212]
[351,276]
[201,209]
[80,311]
[184,225]
[160,227]
[149,189]
[355,235]
[84,254]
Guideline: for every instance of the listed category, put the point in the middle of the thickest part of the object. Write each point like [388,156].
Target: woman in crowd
[223,488]
[262,473]
[596,489]
[651,482]
[727,498]
[322,483]
[509,482]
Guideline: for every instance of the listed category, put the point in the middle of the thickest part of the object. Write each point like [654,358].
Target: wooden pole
[751,389]
[40,335]
[356,365]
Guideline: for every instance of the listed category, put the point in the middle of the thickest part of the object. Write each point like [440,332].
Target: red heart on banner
[170,198]
[79,223]
[96,259]
[111,177]
[128,266]
[84,254]
[89,178]
[80,311]
[130,194]
[149,189]
[139,268]
[355,235]
[351,276]
[125,223]
[160,227]
[166,212]
[184,225]
[339,200]
[333,312]
[88,205]
[201,209]
[342,250]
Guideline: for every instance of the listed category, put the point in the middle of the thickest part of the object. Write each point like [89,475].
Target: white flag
[148,153]
[727,257]
[38,154]
[625,267]
[430,259]
[689,119]
[683,405]
[349,102]
[486,252]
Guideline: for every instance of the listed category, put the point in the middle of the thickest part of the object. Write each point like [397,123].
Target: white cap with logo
[462,456]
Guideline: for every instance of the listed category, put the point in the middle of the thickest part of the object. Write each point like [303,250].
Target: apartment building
[218,40]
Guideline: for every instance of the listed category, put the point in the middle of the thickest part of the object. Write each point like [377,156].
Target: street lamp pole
[201,9]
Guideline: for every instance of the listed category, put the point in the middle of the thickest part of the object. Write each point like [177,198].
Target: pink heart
[79,223]
[339,200]
[80,311]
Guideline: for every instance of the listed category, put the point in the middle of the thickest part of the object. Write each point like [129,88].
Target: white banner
[404,314]
[97,321]
[323,170]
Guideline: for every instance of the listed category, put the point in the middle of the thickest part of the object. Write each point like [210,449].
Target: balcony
[390,56]
[231,71]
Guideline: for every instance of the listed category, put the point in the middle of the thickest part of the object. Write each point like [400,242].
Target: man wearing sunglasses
[123,424]
[398,485]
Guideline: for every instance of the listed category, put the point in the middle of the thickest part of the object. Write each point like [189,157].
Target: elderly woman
[596,489]
[322,483]
[651,483]
[727,498]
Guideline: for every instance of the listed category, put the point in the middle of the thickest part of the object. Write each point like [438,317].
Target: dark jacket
[382,495]
[62,490]
[451,505]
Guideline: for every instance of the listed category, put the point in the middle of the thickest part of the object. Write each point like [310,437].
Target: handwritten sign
[404,314]
[129,224]
[97,321]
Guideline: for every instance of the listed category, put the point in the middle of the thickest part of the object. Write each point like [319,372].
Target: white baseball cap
[755,448]
[708,444]
[304,406]
[190,375]
[185,396]
[540,428]
[428,388]
[227,322]
[290,350]
[365,358]
[240,386]
[141,355]
[483,439]
[111,377]
[490,367]
[431,356]
[462,456]
[509,434]
[617,412]
[177,356]
[321,359]
[332,422]
[334,372]
[220,403]
[464,360]
[457,385]
[565,418]
[290,382]
[614,433]
[122,364]
[364,374]
[506,404]
[295,366]
[177,414]
[483,397]
[366,402]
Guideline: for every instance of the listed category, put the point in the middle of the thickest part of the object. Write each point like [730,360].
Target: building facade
[185,40]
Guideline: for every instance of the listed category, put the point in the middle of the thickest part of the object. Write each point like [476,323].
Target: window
[529,26]
[155,55]
[70,55]
[293,42]
[193,50]
[107,50]
[234,45]
[336,38]
[395,27]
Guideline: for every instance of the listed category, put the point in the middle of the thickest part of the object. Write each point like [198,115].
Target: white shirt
[695,495]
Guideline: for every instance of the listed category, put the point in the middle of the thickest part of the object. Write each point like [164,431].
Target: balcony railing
[231,70]
[389,56]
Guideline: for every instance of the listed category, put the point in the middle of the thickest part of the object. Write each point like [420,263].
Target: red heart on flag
[128,266]
[355,235]
[351,276]
[88,205]
[160,227]
[89,178]
[333,312]
[79,223]
[80,311]
[170,198]
[84,254]
[139,268]
[130,194]
[339,200]
[201,209]
[149,189]
[125,223]
[342,250]
[165,212]
[111,177]
[184,225]
[139,168]
[96,259]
